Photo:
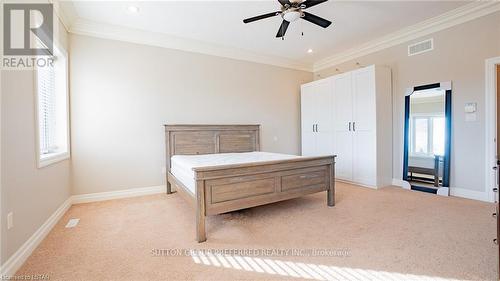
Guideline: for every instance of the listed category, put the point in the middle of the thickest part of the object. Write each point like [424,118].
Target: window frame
[52,158]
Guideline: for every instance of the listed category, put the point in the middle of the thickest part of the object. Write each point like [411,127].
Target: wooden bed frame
[221,189]
[427,171]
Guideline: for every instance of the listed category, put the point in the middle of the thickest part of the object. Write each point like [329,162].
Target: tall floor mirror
[427,138]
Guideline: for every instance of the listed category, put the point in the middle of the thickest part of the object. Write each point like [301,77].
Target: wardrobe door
[324,117]
[364,128]
[343,126]
[308,117]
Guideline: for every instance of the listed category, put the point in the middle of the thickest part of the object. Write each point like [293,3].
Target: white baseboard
[125,193]
[12,265]
[355,183]
[469,194]
[15,262]
[401,183]
[456,191]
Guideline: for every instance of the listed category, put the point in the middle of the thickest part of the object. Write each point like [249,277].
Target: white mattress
[182,165]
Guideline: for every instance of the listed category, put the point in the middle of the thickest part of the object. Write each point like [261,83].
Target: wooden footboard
[221,189]
[236,187]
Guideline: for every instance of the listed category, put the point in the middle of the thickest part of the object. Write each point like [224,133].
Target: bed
[426,166]
[219,168]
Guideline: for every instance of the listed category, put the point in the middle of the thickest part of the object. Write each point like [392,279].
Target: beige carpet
[387,234]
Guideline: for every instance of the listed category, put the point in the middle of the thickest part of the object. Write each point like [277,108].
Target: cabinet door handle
[316,127]
[495,241]
[313,128]
[354,126]
[349,126]
[494,215]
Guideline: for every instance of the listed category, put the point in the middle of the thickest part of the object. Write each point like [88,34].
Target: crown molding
[114,32]
[454,17]
[67,15]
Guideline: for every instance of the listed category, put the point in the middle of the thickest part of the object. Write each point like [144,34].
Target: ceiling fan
[292,10]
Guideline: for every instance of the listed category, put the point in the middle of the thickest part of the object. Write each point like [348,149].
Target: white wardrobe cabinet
[359,111]
[317,118]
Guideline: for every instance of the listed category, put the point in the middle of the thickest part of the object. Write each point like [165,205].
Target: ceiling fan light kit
[291,16]
[292,10]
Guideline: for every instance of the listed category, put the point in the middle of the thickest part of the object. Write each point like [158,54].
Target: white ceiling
[220,22]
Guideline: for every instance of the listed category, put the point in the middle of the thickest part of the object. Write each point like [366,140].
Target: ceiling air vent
[421,47]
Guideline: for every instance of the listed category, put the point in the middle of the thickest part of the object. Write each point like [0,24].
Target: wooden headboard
[210,139]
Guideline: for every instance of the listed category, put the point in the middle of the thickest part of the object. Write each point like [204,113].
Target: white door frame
[491,126]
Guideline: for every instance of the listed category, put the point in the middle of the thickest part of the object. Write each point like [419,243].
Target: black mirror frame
[447,148]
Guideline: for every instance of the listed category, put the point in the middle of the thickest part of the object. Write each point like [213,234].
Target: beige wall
[32,194]
[459,56]
[122,94]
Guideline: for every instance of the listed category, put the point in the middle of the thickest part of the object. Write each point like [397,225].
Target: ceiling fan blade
[316,20]
[309,3]
[285,2]
[261,17]
[283,28]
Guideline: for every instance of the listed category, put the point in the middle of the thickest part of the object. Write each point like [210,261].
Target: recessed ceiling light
[310,51]
[133,9]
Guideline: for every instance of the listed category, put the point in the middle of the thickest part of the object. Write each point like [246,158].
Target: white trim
[67,15]
[401,183]
[452,191]
[446,86]
[443,191]
[1,187]
[491,126]
[115,32]
[58,156]
[49,159]
[125,193]
[452,18]
[10,267]
[355,183]
[409,91]
[469,194]
[15,262]
[443,86]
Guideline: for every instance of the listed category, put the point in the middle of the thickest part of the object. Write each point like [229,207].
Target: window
[427,135]
[52,107]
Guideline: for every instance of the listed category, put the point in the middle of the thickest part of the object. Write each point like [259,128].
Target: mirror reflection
[427,130]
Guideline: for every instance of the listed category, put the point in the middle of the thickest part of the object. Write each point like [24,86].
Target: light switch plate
[470,107]
[470,117]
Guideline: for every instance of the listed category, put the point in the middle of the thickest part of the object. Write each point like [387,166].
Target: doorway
[492,105]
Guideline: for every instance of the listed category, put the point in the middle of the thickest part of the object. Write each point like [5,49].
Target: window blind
[47,109]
